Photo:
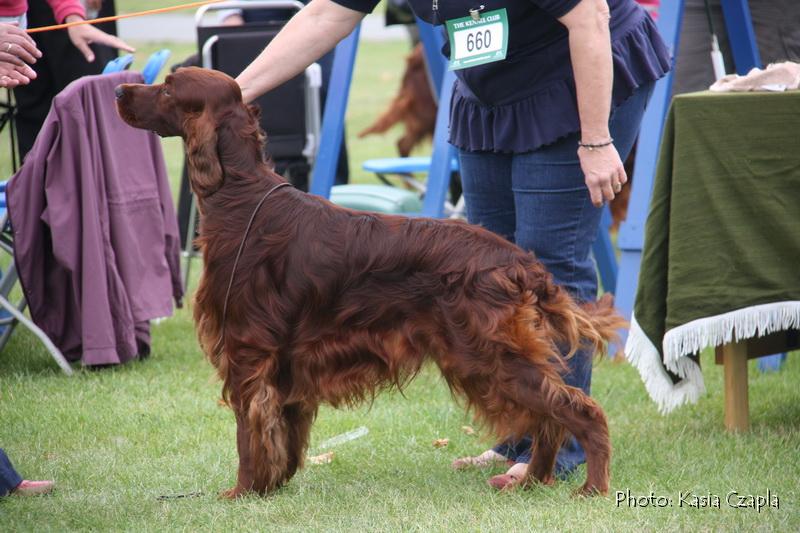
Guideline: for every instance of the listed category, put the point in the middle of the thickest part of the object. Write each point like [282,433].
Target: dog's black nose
[119,91]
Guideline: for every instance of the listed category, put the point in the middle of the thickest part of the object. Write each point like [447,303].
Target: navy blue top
[528,100]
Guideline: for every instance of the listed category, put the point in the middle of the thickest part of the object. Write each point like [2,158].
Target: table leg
[734,356]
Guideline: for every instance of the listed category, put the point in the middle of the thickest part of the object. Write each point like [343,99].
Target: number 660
[479,40]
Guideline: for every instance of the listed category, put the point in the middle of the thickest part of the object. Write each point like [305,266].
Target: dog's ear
[255,112]
[205,169]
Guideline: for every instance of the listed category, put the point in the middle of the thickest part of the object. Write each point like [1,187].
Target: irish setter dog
[333,305]
[413,106]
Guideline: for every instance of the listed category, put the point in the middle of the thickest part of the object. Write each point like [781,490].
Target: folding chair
[291,112]
[14,312]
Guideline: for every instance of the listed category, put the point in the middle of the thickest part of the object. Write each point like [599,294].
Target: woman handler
[548,101]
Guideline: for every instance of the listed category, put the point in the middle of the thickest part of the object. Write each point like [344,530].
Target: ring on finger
[617,187]
[8,47]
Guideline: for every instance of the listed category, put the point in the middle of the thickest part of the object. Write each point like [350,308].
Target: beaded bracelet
[590,147]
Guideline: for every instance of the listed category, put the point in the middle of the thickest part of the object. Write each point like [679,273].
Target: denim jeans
[539,201]
[9,479]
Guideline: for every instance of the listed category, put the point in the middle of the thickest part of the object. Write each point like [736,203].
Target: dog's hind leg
[546,442]
[581,416]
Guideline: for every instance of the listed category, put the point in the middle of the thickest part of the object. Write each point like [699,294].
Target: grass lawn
[117,440]
[134,6]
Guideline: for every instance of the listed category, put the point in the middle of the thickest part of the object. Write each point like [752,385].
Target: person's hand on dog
[604,172]
[17,52]
[85,34]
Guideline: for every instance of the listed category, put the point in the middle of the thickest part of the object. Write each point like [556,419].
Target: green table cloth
[721,258]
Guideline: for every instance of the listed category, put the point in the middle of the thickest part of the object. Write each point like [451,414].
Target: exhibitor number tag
[476,42]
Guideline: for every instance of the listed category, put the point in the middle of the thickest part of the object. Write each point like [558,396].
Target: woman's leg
[556,220]
[486,180]
[9,478]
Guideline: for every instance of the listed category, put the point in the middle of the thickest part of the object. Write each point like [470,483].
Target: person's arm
[64,8]
[590,51]
[309,35]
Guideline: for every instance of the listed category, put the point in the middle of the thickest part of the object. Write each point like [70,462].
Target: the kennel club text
[688,499]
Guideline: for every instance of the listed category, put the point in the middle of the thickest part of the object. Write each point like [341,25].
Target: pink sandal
[33,488]
[511,479]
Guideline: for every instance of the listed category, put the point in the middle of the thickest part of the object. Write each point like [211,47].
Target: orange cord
[126,15]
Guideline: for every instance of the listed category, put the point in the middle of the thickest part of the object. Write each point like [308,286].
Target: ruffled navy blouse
[528,100]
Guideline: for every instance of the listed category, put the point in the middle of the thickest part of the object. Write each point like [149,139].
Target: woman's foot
[33,488]
[511,479]
[486,459]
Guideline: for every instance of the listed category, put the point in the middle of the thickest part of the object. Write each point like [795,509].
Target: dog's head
[205,107]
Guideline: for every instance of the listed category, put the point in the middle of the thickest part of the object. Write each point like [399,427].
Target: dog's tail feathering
[599,323]
[591,325]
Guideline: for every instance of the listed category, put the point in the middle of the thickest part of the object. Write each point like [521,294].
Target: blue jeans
[9,479]
[539,201]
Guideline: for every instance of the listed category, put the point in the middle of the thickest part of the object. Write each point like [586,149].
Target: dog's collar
[220,343]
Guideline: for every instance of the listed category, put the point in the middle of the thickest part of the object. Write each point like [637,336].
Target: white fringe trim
[746,323]
[693,337]
[643,355]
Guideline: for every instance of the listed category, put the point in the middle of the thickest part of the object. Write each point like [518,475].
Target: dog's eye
[164,91]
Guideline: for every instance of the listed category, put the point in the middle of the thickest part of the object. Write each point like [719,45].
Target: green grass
[115,440]
[134,6]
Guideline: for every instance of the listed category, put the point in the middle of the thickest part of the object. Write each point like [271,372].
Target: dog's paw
[591,490]
[232,493]
[547,481]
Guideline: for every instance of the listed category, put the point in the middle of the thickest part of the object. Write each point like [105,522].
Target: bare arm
[590,51]
[309,35]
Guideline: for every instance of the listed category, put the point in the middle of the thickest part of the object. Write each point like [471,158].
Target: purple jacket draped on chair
[95,233]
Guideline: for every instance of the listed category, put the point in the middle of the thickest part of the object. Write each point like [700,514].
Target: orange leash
[126,15]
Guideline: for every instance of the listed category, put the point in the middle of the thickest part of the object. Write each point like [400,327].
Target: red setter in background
[415,108]
[333,305]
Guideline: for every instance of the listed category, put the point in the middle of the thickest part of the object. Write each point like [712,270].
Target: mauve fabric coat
[95,233]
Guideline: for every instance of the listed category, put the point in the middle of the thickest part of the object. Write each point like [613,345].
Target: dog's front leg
[246,474]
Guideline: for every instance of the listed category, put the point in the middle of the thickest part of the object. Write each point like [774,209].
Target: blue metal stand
[741,35]
[336,105]
[443,153]
[330,140]
[605,255]
[631,232]
[432,42]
